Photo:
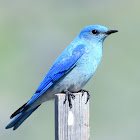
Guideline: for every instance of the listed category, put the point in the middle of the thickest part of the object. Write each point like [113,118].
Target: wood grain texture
[72,124]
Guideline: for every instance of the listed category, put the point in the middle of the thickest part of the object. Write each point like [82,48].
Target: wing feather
[62,65]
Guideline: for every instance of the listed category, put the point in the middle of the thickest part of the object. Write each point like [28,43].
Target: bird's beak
[111,31]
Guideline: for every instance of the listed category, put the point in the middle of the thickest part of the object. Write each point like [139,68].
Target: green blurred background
[34,33]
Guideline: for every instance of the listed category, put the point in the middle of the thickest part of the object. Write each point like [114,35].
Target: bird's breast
[80,74]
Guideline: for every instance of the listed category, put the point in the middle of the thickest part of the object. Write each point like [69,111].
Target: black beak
[111,31]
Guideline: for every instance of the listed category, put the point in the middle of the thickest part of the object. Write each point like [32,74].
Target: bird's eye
[94,31]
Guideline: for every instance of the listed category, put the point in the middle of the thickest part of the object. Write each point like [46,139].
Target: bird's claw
[68,97]
[88,94]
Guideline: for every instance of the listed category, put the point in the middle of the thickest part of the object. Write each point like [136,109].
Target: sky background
[34,33]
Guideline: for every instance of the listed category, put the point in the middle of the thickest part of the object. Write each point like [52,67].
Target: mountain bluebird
[69,73]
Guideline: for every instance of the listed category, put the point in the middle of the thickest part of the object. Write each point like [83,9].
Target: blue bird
[69,73]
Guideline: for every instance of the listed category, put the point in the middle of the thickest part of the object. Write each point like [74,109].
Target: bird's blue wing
[62,65]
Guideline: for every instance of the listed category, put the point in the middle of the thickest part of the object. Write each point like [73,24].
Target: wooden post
[72,124]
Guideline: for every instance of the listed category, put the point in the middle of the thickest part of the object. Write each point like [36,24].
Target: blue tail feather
[20,118]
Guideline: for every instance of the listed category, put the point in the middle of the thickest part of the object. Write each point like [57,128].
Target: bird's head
[96,33]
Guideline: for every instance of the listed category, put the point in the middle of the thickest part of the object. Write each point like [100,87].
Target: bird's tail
[21,115]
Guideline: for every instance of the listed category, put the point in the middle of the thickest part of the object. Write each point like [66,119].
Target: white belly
[74,81]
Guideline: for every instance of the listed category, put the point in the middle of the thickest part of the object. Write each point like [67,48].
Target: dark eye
[94,31]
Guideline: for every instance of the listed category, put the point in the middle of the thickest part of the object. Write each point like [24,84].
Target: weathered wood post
[72,124]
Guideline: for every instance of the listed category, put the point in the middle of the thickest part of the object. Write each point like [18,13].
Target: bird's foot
[88,94]
[68,97]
